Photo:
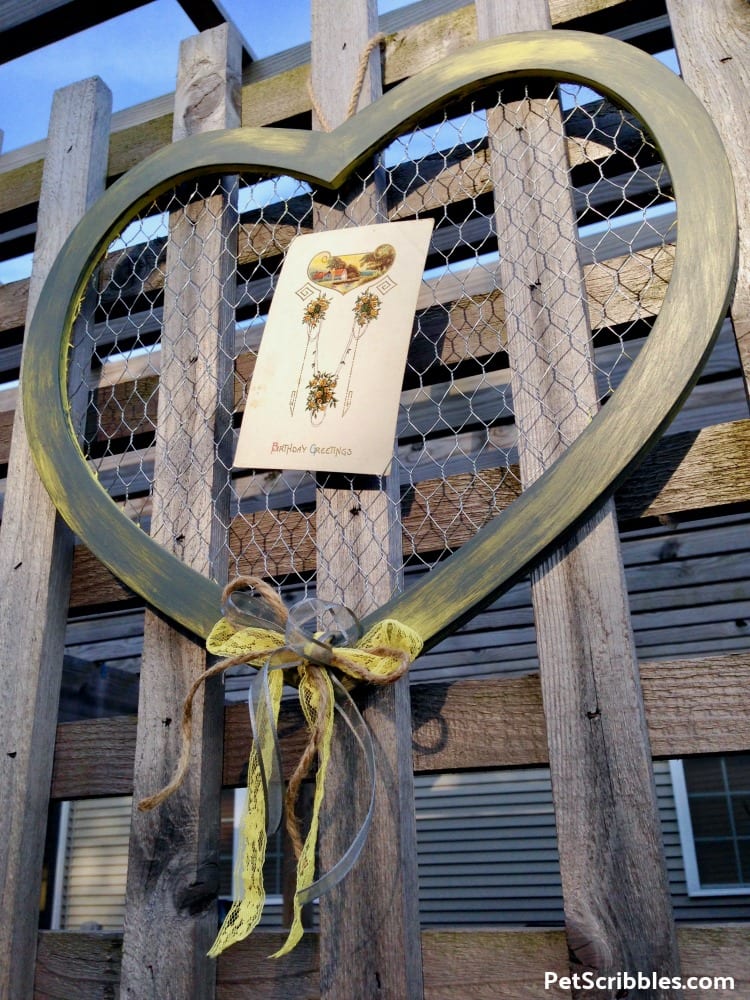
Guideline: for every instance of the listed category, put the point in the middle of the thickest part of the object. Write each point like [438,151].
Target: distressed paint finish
[171,913]
[35,562]
[666,368]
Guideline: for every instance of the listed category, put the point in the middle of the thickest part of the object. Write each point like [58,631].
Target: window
[712,796]
[91,864]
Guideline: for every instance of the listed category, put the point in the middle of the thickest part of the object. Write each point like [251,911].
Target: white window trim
[58,889]
[240,796]
[687,840]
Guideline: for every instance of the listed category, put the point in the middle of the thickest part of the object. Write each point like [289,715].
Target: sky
[136,56]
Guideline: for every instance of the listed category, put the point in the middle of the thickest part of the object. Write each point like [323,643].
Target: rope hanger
[359,81]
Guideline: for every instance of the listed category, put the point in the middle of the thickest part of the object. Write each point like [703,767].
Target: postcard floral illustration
[327,381]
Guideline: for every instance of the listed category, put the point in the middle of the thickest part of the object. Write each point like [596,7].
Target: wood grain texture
[172,887]
[600,759]
[369,922]
[78,966]
[713,46]
[693,706]
[461,964]
[35,563]
[13,304]
[690,471]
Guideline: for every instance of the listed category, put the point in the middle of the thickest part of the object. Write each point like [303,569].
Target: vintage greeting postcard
[326,386]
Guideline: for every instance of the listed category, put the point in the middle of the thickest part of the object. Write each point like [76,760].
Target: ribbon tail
[263,721]
[246,911]
[346,862]
[307,890]
[310,698]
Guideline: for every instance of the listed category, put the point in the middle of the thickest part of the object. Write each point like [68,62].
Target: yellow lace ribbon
[379,658]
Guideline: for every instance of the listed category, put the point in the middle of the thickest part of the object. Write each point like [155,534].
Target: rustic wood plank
[6,434]
[171,909]
[693,706]
[480,964]
[13,304]
[93,580]
[283,96]
[77,966]
[465,325]
[35,562]
[713,45]
[481,723]
[359,564]
[79,744]
[688,471]
[619,291]
[671,478]
[488,440]
[600,760]
[463,174]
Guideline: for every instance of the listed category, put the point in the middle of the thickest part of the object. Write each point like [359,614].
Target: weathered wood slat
[451,452]
[693,706]
[690,471]
[268,238]
[673,470]
[457,176]
[479,438]
[35,561]
[461,964]
[620,291]
[360,564]
[713,45]
[600,760]
[171,908]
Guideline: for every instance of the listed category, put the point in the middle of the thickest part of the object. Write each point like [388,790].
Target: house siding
[486,846]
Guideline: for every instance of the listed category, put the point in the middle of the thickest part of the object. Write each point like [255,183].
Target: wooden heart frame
[667,366]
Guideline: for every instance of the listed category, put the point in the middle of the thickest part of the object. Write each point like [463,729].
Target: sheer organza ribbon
[317,646]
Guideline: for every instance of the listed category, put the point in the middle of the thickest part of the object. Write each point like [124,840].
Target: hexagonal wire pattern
[457,450]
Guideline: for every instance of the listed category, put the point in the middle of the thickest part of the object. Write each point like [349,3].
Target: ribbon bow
[258,627]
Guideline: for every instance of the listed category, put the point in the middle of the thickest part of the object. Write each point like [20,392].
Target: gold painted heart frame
[637,414]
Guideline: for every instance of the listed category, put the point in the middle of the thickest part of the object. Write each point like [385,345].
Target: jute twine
[315,674]
[359,80]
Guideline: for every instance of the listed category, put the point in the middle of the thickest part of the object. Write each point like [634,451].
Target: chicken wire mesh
[552,211]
